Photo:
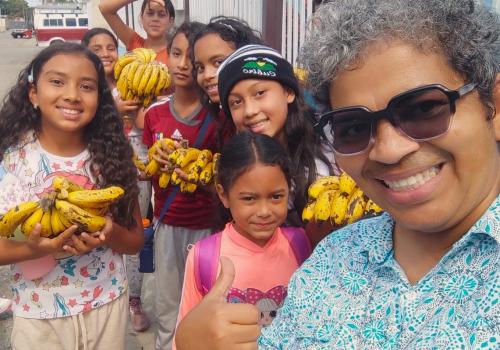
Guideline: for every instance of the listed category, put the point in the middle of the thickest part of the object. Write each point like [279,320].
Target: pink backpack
[207,252]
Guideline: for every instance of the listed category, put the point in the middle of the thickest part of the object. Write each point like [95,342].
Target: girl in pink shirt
[253,183]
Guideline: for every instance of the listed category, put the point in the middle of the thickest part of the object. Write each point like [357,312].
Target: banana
[166,143]
[187,187]
[355,206]
[152,151]
[146,55]
[29,224]
[204,157]
[122,63]
[215,165]
[206,174]
[46,224]
[15,216]
[152,168]
[164,179]
[194,174]
[322,208]
[163,80]
[139,54]
[323,184]
[153,80]
[190,156]
[97,211]
[308,212]
[85,221]
[372,208]
[63,219]
[130,96]
[147,100]
[122,84]
[131,73]
[138,163]
[59,183]
[175,179]
[56,222]
[96,198]
[338,207]
[346,183]
[137,78]
[177,154]
[144,80]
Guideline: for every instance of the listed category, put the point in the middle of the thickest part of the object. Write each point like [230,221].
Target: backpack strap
[206,261]
[299,242]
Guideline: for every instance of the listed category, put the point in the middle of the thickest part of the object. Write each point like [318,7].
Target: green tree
[14,8]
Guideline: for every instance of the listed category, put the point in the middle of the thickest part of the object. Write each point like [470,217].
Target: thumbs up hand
[215,324]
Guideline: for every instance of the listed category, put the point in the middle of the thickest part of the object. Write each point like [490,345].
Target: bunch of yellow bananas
[199,165]
[337,199]
[139,77]
[68,204]
[300,74]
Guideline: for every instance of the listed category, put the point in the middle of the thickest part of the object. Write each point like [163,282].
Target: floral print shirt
[352,294]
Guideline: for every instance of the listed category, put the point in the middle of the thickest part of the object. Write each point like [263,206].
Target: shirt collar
[378,243]
[489,223]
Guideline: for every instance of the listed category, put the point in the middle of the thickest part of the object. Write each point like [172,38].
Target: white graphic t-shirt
[77,284]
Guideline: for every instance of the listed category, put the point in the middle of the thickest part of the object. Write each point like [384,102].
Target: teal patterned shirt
[352,294]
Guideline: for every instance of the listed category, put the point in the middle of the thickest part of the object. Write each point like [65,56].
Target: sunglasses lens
[351,130]
[423,114]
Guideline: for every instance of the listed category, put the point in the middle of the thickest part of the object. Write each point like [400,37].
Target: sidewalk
[134,341]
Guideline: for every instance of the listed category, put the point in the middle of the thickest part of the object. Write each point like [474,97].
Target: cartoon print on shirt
[60,307]
[68,266]
[35,299]
[267,302]
[268,311]
[93,268]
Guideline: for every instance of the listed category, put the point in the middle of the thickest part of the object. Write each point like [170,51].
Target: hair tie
[30,76]
[231,28]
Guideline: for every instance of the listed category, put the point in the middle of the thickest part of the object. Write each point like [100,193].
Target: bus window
[46,23]
[53,22]
[70,22]
[83,22]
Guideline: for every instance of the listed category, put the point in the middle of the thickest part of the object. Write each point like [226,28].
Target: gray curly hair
[466,32]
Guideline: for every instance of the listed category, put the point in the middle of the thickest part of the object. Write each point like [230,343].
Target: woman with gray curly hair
[413,89]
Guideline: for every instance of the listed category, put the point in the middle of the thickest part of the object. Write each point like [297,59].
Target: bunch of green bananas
[68,204]
[337,199]
[199,165]
[139,77]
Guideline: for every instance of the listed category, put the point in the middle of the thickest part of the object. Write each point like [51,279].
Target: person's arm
[215,324]
[34,247]
[109,10]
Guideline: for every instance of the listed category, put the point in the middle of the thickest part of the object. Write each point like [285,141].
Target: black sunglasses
[423,113]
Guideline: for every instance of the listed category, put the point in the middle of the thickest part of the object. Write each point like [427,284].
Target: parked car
[22,33]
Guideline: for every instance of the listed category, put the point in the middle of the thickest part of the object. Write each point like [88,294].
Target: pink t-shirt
[261,273]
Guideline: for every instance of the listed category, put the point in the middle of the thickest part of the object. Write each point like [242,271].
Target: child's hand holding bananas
[41,246]
[85,242]
[177,164]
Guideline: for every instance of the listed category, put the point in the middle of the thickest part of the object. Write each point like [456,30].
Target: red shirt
[197,210]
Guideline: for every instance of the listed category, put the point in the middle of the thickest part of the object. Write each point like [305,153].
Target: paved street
[16,54]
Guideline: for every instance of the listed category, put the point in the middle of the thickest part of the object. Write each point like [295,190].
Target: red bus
[61,22]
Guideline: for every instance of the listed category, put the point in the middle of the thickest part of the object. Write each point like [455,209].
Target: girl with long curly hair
[60,120]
